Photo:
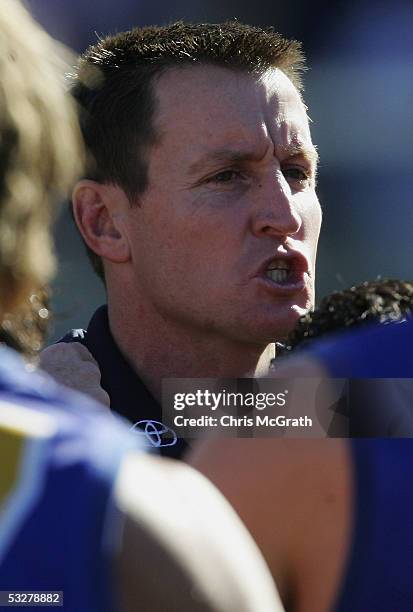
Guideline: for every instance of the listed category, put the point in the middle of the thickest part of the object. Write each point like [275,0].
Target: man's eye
[226,176]
[296,174]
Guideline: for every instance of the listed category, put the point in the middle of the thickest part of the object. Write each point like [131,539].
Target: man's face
[224,240]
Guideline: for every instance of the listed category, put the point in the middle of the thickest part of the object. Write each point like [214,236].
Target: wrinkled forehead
[281,98]
[216,103]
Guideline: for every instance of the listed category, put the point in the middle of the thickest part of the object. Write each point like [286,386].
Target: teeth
[279,264]
[278,276]
[278,270]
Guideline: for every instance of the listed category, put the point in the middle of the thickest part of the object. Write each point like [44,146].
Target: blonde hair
[40,152]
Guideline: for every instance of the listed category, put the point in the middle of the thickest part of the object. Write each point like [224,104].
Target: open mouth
[286,272]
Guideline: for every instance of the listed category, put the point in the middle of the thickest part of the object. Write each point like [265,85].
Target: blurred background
[359,91]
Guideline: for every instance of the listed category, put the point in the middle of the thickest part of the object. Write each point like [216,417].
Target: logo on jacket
[156,433]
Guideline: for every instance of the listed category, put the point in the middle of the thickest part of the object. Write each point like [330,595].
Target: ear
[100,211]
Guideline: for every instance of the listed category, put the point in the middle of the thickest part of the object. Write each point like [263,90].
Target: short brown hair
[114,88]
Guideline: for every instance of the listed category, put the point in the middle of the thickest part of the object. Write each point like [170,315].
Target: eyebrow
[239,156]
[294,150]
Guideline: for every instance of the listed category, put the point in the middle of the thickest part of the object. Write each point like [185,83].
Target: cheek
[153,230]
[311,216]
[316,222]
[186,236]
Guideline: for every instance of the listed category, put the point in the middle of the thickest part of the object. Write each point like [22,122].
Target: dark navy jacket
[128,395]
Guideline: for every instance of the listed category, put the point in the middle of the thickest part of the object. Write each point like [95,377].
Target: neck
[159,349]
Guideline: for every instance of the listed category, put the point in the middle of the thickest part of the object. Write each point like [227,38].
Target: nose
[275,213]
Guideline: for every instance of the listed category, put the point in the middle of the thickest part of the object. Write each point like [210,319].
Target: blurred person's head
[199,205]
[39,157]
[380,301]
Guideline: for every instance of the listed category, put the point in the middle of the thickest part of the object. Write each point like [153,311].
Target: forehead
[205,107]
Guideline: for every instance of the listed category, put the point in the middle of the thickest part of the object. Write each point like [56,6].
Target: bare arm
[183,546]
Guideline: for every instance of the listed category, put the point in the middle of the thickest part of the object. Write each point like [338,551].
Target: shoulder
[188,548]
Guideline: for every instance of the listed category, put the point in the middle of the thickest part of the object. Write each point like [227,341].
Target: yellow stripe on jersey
[11,449]
[24,438]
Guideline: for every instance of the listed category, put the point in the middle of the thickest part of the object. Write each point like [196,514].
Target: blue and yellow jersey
[59,458]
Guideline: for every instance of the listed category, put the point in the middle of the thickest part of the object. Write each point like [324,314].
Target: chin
[264,323]
[282,324]
[264,330]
